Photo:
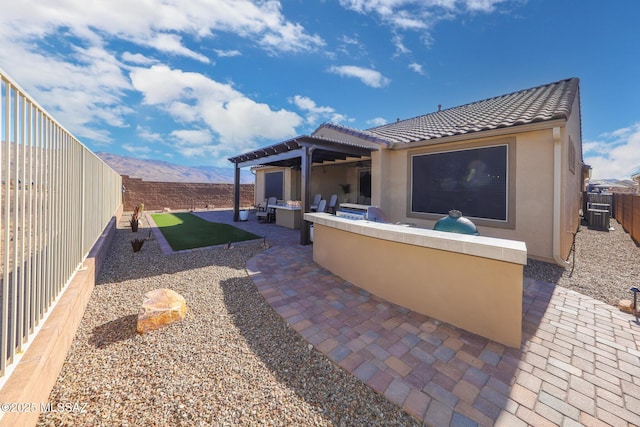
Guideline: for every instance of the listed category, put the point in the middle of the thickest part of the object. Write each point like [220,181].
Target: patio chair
[268,213]
[314,203]
[322,206]
[333,201]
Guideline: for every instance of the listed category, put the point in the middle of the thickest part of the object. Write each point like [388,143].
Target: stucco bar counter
[288,216]
[472,282]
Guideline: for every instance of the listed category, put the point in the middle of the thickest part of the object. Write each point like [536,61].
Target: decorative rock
[626,306]
[160,307]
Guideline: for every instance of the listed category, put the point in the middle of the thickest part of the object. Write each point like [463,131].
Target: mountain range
[615,182]
[161,171]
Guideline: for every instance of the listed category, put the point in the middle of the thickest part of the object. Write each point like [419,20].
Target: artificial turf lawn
[187,231]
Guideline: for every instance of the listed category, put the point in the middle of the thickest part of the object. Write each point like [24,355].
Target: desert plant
[137,244]
[136,213]
[134,218]
[346,189]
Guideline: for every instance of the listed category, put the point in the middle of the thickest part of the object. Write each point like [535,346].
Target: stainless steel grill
[360,212]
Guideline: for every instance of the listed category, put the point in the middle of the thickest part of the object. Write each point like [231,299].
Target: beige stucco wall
[533,181]
[484,297]
[325,179]
[571,180]
[291,180]
[258,189]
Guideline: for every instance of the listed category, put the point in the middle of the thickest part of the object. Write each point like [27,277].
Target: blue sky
[195,82]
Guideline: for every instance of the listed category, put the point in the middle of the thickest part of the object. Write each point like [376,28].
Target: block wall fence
[179,195]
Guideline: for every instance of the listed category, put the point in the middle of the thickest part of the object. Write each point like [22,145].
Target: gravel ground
[232,361]
[607,264]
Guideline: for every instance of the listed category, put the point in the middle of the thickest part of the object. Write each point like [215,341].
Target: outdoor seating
[333,201]
[268,214]
[314,203]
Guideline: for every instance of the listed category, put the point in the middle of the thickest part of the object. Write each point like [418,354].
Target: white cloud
[147,135]
[316,113]
[137,58]
[407,21]
[351,41]
[63,50]
[615,154]
[192,98]
[418,15]
[192,136]
[159,24]
[351,46]
[390,7]
[416,68]
[193,142]
[227,53]
[368,76]
[377,121]
[400,46]
[136,149]
[83,93]
[482,5]
[172,44]
[291,38]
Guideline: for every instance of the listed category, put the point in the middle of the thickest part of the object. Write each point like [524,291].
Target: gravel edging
[232,361]
[607,264]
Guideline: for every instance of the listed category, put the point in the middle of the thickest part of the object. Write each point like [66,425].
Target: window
[474,181]
[364,186]
[274,185]
[571,158]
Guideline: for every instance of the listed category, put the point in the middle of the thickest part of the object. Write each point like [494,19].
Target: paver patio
[579,362]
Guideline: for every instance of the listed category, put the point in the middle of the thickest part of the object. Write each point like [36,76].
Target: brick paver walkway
[579,363]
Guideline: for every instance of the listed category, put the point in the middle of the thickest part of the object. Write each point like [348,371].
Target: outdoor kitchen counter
[288,216]
[473,282]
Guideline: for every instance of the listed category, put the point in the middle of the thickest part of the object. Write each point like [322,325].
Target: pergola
[299,152]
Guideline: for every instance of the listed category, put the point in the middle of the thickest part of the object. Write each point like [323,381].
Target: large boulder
[626,306]
[160,307]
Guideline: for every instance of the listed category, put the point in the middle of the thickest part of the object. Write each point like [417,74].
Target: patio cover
[302,152]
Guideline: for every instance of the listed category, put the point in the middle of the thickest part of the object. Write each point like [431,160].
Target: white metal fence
[57,197]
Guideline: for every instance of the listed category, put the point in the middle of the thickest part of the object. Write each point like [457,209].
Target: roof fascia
[291,154]
[336,147]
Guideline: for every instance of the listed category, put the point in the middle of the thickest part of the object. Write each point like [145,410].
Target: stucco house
[512,164]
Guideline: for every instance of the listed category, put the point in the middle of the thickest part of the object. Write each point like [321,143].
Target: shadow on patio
[447,376]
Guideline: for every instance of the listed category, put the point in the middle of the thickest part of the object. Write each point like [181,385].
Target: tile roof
[364,134]
[541,103]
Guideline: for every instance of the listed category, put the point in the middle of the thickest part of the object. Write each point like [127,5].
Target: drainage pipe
[557,196]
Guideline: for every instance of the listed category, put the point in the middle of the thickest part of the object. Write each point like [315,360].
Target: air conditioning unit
[599,218]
